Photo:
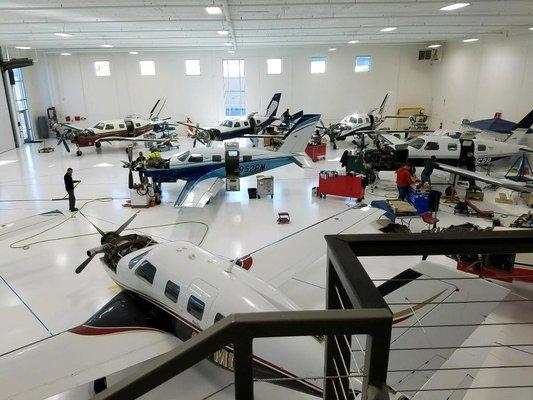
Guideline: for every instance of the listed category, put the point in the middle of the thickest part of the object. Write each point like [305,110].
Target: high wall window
[274,66]
[192,67]
[21,101]
[363,63]
[101,68]
[147,67]
[234,88]
[318,65]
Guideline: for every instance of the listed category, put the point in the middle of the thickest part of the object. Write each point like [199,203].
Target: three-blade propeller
[91,253]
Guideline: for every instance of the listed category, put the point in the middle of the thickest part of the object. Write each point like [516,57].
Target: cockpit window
[136,259]
[195,307]
[416,143]
[99,125]
[183,156]
[218,317]
[172,291]
[227,123]
[196,158]
[146,271]
[109,127]
[353,120]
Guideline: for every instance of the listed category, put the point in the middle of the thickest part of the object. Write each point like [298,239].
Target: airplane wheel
[98,145]
[79,153]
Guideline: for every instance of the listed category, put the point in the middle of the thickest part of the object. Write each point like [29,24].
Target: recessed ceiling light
[23,47]
[228,44]
[470,40]
[134,52]
[213,10]
[66,54]
[389,29]
[63,34]
[231,51]
[106,45]
[454,6]
[353,41]
[531,29]
[332,49]
[434,46]
[223,33]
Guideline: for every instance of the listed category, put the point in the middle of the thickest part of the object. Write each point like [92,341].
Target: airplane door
[467,146]
[129,126]
[198,303]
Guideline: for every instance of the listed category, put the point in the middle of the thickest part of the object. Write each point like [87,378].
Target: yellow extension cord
[15,245]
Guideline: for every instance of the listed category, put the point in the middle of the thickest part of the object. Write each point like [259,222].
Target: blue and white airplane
[204,169]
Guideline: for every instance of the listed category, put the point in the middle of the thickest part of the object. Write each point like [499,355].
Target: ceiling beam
[225,10]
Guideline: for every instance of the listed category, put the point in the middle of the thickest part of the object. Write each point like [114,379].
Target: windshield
[99,125]
[416,143]
[227,123]
[183,156]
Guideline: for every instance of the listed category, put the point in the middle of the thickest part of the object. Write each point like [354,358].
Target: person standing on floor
[404,180]
[69,187]
[429,166]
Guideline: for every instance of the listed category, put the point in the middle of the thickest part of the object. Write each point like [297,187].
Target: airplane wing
[196,193]
[391,139]
[505,183]
[125,332]
[418,292]
[132,139]
[75,128]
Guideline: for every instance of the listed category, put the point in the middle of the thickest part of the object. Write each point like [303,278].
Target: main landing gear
[79,153]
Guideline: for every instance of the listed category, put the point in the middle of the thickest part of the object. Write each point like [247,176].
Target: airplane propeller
[106,237]
[129,164]
[62,139]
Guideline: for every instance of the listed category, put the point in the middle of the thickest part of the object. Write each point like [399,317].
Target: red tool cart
[316,151]
[340,185]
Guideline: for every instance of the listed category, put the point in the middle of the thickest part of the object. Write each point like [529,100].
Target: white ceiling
[142,25]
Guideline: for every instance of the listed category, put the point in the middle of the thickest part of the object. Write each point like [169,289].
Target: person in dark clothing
[429,166]
[69,187]
[139,165]
[470,163]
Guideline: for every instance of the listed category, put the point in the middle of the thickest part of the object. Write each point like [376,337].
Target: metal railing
[354,306]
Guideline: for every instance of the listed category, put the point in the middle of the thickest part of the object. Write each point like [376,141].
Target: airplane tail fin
[520,129]
[299,135]
[272,108]
[526,122]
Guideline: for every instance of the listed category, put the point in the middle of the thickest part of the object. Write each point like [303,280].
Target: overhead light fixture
[134,52]
[228,44]
[231,51]
[389,29]
[63,34]
[531,29]
[470,40]
[454,6]
[353,41]
[434,46]
[66,54]
[106,45]
[23,47]
[223,33]
[214,10]
[332,49]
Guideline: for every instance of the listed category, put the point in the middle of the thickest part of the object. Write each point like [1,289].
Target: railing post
[244,373]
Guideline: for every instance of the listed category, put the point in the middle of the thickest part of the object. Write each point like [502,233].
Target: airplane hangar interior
[252,199]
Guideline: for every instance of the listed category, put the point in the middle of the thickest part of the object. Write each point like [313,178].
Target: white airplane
[126,129]
[178,289]
[240,127]
[204,169]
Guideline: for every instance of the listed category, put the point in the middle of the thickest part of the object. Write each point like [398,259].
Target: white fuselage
[356,121]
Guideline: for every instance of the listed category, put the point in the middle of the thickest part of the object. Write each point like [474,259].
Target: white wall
[475,80]
[340,91]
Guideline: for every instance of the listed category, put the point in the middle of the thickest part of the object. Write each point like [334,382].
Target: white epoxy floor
[41,277]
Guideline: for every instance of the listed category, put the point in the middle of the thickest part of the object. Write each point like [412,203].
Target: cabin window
[109,127]
[121,126]
[363,63]
[360,121]
[432,146]
[247,158]
[136,259]
[318,65]
[237,125]
[218,317]
[137,124]
[452,146]
[481,147]
[172,291]
[99,125]
[245,123]
[146,271]
[196,158]
[417,143]
[195,307]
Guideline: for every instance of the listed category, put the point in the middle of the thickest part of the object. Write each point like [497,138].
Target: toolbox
[265,185]
[316,151]
[335,184]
